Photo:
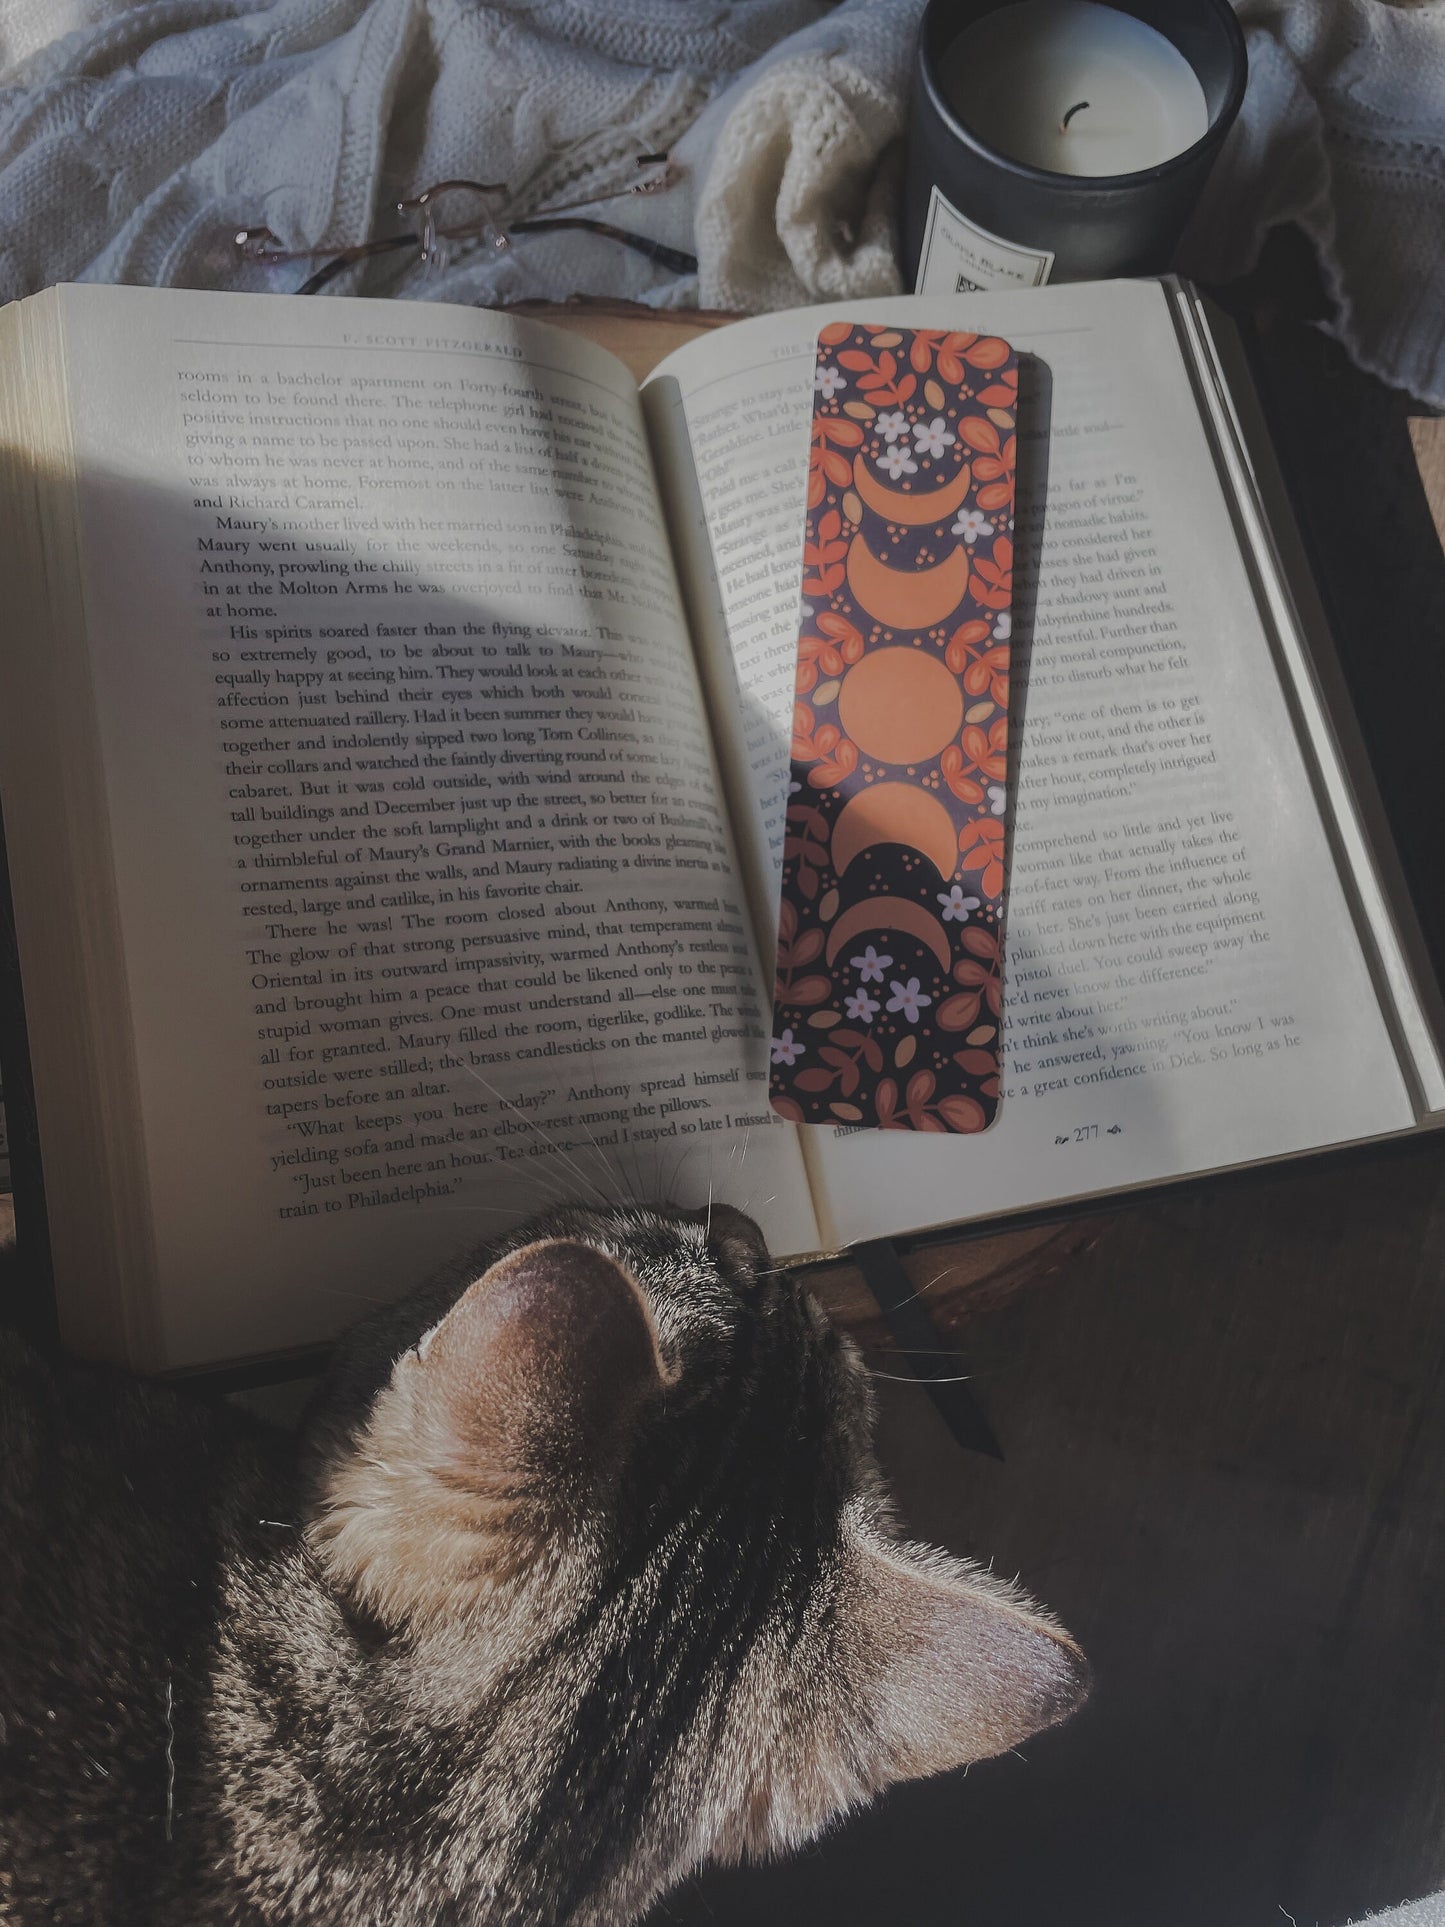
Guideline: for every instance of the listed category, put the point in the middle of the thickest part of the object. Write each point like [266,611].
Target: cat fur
[581,1575]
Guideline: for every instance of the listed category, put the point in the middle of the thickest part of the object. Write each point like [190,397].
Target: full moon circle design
[900,706]
[895,813]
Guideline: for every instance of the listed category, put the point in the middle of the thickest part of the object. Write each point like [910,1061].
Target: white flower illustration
[829,382]
[931,438]
[972,525]
[1003,627]
[870,966]
[786,1050]
[956,906]
[997,798]
[908,998]
[861,1007]
[890,427]
[898,462]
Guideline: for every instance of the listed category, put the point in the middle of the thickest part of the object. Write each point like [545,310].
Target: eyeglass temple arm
[643,244]
[350,256]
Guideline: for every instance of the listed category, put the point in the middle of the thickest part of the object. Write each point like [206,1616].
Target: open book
[394,761]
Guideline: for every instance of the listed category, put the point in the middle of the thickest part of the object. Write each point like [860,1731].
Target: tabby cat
[582,1576]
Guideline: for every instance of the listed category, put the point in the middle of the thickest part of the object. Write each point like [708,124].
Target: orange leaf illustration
[845,635]
[962,644]
[959,1012]
[980,435]
[812,990]
[981,846]
[963,1113]
[920,1088]
[979,1063]
[835,769]
[991,577]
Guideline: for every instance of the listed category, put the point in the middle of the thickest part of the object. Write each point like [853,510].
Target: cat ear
[538,1371]
[499,1427]
[930,1664]
[955,1666]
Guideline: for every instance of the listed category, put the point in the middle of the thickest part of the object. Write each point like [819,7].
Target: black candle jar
[974,216]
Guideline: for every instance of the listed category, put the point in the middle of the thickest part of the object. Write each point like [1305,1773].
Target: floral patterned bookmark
[889,976]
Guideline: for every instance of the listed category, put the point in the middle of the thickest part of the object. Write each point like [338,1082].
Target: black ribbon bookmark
[911,1327]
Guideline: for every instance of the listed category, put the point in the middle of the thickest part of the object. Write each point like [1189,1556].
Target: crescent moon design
[906,598]
[874,914]
[895,813]
[908,510]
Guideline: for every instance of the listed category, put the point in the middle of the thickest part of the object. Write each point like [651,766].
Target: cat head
[612,1493]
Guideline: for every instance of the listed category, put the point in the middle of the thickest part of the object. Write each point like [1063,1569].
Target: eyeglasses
[452,211]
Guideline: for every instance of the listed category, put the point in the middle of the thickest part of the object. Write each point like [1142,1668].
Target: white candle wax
[1013,76]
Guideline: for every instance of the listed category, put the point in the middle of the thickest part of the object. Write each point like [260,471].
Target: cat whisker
[671,1188]
[914,1296]
[507,1105]
[531,1165]
[909,1378]
[564,1149]
[500,1209]
[170,1762]
[677,1170]
[551,1187]
[911,1351]
[614,1175]
[644,1189]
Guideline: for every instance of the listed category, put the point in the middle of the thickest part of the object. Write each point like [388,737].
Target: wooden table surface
[1224,1436]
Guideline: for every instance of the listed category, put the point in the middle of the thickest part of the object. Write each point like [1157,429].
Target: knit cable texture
[134,141]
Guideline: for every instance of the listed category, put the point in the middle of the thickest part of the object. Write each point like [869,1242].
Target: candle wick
[1077,108]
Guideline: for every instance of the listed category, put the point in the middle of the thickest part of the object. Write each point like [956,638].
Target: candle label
[889,969]
[959,257]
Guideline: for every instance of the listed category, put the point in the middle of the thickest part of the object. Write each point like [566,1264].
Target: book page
[430,912]
[1185,986]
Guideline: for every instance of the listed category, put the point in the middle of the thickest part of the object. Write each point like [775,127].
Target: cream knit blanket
[1342,132]
[135,138]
